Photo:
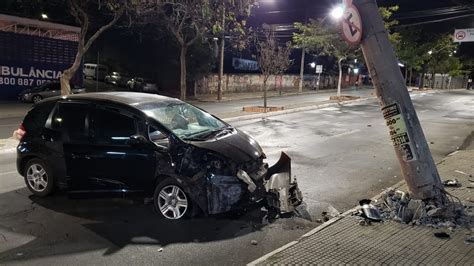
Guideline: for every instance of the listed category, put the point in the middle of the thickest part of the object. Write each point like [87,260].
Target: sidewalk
[342,240]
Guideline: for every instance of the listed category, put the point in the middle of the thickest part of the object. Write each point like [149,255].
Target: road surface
[340,155]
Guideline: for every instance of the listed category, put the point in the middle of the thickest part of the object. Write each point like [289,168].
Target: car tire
[37,98]
[38,177]
[171,201]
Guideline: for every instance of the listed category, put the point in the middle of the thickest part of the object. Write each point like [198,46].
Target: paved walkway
[343,241]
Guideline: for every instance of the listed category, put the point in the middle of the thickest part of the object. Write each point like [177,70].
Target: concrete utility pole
[417,165]
[300,84]
[221,61]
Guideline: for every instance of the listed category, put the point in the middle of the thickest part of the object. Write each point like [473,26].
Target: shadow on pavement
[58,225]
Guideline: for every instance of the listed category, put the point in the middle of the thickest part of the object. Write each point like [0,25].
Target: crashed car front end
[219,185]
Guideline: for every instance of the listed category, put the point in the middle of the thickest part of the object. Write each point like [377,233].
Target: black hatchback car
[121,143]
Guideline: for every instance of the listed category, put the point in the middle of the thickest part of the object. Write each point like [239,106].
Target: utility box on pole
[417,165]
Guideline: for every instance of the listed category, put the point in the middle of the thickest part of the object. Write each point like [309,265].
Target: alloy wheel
[37,177]
[172,202]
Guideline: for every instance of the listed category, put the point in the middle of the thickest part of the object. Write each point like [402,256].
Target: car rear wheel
[171,201]
[37,98]
[38,178]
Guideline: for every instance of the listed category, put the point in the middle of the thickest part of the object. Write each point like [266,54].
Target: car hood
[237,146]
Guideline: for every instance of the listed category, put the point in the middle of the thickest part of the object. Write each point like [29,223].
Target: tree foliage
[273,59]
[80,10]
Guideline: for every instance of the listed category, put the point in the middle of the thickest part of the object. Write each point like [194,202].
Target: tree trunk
[433,79]
[422,81]
[411,76]
[442,81]
[406,75]
[183,73]
[340,78]
[69,73]
[265,94]
[221,60]
[300,85]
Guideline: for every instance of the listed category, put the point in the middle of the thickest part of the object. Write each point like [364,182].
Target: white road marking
[8,173]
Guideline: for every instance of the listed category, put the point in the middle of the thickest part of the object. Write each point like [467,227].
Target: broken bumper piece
[282,191]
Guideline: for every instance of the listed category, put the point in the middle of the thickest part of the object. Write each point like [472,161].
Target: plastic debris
[442,235]
[370,211]
[469,239]
[451,183]
[160,250]
[254,242]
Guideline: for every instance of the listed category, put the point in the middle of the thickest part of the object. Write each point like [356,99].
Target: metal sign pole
[414,156]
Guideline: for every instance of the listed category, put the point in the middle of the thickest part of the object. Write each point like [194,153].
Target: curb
[320,227]
[293,110]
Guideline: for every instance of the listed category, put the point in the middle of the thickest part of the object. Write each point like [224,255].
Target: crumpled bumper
[275,185]
[282,190]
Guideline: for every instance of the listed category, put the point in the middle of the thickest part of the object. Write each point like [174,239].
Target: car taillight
[21,131]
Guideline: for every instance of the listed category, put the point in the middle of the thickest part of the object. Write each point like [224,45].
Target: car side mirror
[136,140]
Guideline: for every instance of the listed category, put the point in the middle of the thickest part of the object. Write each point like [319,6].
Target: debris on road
[442,235]
[254,242]
[461,172]
[469,239]
[451,183]
[399,206]
[369,211]
[160,250]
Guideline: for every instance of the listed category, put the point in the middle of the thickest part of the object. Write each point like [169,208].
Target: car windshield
[184,120]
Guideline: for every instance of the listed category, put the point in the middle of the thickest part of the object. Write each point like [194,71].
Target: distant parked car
[44,91]
[142,85]
[117,78]
[94,71]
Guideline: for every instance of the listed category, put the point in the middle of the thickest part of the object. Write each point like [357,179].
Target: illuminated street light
[44,16]
[312,64]
[337,12]
[430,52]
[356,71]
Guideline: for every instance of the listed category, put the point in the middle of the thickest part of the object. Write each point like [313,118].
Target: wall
[254,83]
[444,81]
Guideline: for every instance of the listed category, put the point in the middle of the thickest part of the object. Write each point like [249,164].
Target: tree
[80,10]
[439,50]
[230,19]
[323,39]
[273,59]
[187,20]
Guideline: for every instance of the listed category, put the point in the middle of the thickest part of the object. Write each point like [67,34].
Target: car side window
[112,127]
[36,118]
[71,119]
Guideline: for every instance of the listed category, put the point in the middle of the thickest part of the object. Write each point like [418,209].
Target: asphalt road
[340,155]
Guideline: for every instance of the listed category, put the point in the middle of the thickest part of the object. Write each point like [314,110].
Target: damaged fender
[282,192]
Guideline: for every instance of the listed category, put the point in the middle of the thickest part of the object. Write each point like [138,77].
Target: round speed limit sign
[352,26]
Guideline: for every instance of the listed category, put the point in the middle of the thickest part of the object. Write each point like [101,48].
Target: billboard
[28,61]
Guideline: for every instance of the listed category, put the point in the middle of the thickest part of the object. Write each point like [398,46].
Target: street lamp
[430,52]
[337,12]
[312,64]
[356,71]
[44,16]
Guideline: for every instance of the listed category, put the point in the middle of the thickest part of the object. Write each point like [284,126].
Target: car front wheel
[38,178]
[171,201]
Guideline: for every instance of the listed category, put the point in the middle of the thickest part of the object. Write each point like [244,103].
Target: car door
[71,119]
[121,165]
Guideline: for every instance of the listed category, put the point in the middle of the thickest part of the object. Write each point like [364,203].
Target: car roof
[123,97]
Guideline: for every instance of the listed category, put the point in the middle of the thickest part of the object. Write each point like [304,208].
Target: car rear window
[36,118]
